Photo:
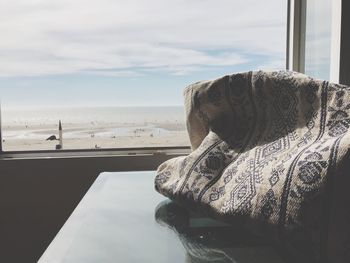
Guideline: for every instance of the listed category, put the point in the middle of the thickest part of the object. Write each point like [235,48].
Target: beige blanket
[269,148]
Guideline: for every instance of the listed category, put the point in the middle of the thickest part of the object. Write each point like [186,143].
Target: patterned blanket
[269,148]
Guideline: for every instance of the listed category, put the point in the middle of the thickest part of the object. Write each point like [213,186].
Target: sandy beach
[111,135]
[98,128]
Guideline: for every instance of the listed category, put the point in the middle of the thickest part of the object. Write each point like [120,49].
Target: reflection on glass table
[123,219]
[208,240]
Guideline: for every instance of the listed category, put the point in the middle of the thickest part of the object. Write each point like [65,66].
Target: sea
[91,115]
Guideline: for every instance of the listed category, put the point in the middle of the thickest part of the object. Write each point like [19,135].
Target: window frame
[107,152]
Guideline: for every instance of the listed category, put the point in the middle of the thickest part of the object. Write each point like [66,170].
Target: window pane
[318,38]
[113,72]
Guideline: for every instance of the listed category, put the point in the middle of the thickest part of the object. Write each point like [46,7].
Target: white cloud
[41,37]
[115,73]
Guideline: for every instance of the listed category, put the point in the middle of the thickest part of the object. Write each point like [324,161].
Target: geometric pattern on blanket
[267,147]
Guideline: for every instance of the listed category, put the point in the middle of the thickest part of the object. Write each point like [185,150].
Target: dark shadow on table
[208,240]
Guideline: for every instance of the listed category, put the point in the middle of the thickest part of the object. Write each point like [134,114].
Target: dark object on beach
[52,138]
[58,147]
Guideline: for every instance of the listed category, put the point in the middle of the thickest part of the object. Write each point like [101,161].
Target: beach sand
[95,136]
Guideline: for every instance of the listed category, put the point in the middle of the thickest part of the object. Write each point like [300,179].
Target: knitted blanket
[269,149]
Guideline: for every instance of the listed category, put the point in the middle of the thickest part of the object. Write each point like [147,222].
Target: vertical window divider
[288,44]
[296,35]
[1,150]
[336,40]
[344,55]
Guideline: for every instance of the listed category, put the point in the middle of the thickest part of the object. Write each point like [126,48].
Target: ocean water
[92,115]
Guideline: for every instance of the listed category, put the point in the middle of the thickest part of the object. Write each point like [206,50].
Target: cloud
[114,37]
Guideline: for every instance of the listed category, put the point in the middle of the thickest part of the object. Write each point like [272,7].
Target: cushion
[269,150]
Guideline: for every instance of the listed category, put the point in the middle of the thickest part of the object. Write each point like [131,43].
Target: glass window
[318,38]
[113,71]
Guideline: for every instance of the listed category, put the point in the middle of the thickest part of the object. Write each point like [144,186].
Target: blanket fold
[268,147]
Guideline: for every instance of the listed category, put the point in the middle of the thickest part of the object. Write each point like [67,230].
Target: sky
[131,53]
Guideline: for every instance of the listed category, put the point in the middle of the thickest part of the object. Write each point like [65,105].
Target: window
[113,71]
[315,37]
[322,45]
[318,38]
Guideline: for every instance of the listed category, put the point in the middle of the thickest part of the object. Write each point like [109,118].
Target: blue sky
[129,53]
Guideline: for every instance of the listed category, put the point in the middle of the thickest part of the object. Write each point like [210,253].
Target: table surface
[123,219]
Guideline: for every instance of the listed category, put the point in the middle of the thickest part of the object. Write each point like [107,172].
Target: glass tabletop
[123,219]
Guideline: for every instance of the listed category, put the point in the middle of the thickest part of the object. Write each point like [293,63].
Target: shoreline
[95,136]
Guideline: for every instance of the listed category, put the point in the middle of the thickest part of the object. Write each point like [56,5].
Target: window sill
[100,153]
